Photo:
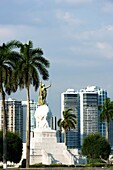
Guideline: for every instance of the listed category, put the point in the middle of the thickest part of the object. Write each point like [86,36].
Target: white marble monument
[43,146]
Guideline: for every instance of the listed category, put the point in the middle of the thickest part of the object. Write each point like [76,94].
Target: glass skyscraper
[33,106]
[70,99]
[102,95]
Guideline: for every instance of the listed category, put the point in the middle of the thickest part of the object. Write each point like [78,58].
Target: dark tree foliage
[95,146]
[14,147]
[8,56]
[30,67]
[68,122]
[106,113]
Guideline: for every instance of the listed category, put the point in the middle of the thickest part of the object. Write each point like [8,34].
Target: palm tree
[7,63]
[68,122]
[31,65]
[106,113]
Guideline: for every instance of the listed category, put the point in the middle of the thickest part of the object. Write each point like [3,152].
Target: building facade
[102,95]
[70,99]
[14,116]
[33,106]
[88,112]
[85,103]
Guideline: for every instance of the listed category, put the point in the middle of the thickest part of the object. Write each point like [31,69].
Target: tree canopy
[95,146]
[68,122]
[106,113]
[20,69]
[14,147]
[30,67]
[7,65]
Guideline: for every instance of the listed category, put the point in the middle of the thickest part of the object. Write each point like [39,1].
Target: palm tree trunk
[4,132]
[65,137]
[28,130]
[107,124]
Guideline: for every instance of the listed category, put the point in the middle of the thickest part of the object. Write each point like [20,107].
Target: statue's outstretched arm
[48,86]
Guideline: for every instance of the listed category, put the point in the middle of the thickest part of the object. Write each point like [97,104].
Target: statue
[41,115]
[42,94]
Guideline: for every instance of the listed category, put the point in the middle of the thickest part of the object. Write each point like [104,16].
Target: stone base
[45,149]
[44,136]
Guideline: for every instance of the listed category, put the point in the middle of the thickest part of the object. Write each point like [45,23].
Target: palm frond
[69,120]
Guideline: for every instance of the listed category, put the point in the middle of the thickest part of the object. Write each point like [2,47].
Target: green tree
[7,63]
[14,147]
[31,66]
[95,146]
[106,113]
[68,122]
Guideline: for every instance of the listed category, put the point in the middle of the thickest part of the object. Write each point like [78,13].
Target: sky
[76,36]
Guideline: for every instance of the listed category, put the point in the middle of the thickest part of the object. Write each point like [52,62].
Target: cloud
[102,45]
[68,18]
[74,2]
[108,7]
[106,49]
[101,34]
[109,28]
[90,37]
[19,32]
[6,32]
[96,43]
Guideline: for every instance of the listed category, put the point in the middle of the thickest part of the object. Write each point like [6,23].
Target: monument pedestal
[41,146]
[45,135]
[44,147]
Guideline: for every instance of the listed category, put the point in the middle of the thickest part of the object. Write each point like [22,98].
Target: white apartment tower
[85,104]
[90,98]
[88,112]
[14,116]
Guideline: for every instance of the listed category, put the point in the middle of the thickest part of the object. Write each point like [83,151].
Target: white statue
[41,116]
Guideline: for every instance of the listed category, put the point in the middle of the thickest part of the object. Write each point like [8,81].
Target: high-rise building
[110,134]
[70,99]
[86,102]
[14,116]
[102,95]
[88,112]
[91,98]
[33,106]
